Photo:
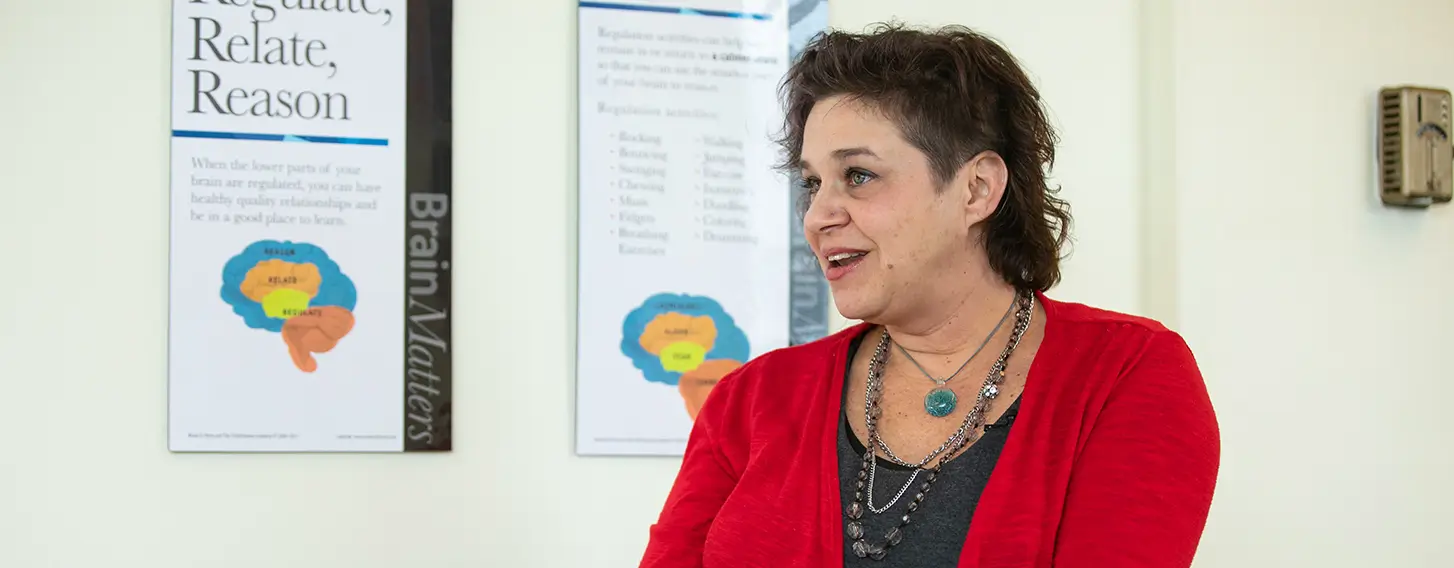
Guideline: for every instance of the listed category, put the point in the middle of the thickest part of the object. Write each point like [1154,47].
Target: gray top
[935,534]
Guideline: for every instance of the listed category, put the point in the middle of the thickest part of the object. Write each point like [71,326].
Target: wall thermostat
[1416,158]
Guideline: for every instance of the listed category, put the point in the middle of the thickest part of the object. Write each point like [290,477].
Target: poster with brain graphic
[691,257]
[309,265]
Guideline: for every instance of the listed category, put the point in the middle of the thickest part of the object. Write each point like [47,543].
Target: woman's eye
[859,178]
[805,198]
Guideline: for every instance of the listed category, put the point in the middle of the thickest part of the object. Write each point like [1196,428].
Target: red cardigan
[1111,463]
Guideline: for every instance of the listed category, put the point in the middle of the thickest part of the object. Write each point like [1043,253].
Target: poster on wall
[310,250]
[687,233]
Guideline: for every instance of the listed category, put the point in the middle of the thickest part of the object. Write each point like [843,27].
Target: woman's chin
[852,306]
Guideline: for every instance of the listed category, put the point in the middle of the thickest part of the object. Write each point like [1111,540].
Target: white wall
[1323,406]
[1322,319]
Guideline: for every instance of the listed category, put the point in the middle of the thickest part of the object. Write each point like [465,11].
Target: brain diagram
[684,341]
[295,290]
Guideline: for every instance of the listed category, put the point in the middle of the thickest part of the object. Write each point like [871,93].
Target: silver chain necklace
[941,401]
[987,391]
[968,431]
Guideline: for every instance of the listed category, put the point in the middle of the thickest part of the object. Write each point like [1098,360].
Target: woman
[970,420]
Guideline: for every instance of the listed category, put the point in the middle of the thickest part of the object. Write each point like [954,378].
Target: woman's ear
[988,175]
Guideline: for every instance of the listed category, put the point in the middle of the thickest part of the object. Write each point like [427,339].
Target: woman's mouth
[841,262]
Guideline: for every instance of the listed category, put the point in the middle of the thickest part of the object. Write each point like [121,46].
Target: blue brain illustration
[334,288]
[731,343]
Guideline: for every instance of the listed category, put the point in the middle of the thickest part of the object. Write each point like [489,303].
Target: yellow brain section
[275,274]
[682,341]
[285,303]
[683,356]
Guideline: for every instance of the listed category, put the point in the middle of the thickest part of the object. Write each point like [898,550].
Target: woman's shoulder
[1076,313]
[1073,324]
[778,381]
[1100,348]
[794,366]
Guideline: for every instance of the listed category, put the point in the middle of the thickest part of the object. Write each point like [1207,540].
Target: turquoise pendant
[940,402]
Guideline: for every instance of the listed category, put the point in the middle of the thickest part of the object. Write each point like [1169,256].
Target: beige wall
[1322,319]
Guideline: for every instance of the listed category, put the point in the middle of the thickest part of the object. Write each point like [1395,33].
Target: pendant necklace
[941,401]
[967,433]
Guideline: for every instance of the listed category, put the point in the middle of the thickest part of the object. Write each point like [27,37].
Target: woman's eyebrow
[841,154]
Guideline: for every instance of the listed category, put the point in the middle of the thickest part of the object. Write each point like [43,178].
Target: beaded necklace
[967,433]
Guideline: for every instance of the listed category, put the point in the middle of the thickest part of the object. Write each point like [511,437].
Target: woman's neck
[957,323]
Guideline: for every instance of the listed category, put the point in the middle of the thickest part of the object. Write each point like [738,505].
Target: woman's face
[889,239]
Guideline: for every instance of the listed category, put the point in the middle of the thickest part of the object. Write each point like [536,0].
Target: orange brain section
[316,330]
[696,384]
[671,328]
[274,274]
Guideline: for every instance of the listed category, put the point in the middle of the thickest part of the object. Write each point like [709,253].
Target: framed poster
[686,230]
[309,295]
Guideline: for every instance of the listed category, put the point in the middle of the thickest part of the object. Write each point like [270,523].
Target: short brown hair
[953,93]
